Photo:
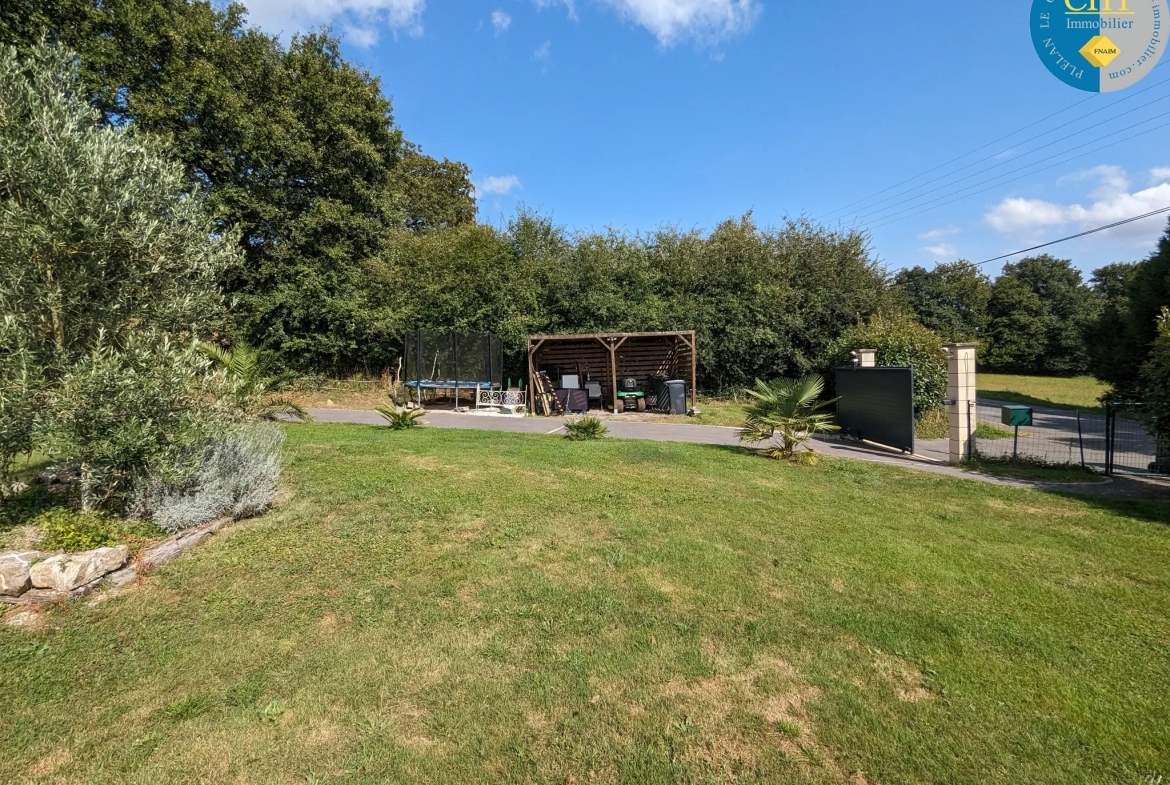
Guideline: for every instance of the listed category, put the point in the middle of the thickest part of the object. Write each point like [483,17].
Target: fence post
[1110,415]
[1081,438]
[865,358]
[961,395]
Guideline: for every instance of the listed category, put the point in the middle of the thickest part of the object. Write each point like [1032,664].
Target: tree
[1111,357]
[1154,384]
[107,278]
[1015,333]
[1057,315]
[434,193]
[102,234]
[951,299]
[294,147]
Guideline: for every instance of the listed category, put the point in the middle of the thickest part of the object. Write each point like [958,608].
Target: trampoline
[452,362]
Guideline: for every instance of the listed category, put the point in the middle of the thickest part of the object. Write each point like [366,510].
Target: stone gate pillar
[961,412]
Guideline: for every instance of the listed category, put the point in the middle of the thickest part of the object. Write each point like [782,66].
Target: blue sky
[637,113]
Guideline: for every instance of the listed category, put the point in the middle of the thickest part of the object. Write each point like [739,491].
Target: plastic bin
[678,396]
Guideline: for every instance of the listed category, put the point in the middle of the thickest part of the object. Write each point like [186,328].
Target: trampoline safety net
[452,360]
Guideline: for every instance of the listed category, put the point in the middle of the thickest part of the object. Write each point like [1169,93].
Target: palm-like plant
[247,387]
[585,429]
[788,413]
[400,419]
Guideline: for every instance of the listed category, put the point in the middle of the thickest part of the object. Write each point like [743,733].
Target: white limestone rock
[15,572]
[66,572]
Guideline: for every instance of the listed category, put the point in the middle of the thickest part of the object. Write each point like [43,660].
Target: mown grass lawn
[461,607]
[1077,392]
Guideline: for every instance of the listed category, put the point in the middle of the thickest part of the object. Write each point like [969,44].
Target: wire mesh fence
[1113,441]
[1132,446]
[1054,437]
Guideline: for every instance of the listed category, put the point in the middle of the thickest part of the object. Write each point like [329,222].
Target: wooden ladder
[548,396]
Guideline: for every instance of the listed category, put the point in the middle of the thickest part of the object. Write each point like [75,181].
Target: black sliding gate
[877,404]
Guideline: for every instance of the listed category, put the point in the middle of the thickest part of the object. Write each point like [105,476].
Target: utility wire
[961,157]
[1113,225]
[989,144]
[997,185]
[872,208]
[876,215]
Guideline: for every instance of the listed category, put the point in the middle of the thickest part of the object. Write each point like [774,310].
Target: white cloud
[499,185]
[501,21]
[543,52]
[1112,201]
[361,18]
[364,37]
[944,252]
[938,234]
[672,21]
[1159,174]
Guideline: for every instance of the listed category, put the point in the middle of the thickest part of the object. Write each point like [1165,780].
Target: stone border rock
[60,577]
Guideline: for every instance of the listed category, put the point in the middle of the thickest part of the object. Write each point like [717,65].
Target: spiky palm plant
[399,419]
[787,412]
[585,429]
[247,386]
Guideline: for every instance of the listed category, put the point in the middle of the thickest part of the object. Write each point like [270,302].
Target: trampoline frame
[491,360]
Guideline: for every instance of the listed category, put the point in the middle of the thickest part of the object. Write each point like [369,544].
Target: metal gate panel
[877,404]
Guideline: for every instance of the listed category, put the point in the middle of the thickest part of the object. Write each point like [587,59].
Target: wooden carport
[606,357]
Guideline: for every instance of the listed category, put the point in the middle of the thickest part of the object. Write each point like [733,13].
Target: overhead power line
[931,204]
[961,157]
[1113,225]
[873,209]
[1129,96]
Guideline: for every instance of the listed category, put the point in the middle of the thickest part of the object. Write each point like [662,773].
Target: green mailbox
[1016,416]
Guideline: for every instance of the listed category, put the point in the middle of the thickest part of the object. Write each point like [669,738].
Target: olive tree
[107,276]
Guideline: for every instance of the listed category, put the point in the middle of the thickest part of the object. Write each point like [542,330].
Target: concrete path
[728,437]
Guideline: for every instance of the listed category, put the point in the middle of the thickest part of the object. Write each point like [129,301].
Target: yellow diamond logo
[1100,51]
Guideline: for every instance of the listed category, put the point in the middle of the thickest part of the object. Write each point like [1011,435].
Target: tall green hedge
[901,341]
[765,302]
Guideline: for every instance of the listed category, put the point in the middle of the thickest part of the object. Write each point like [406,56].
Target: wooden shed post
[531,397]
[613,374]
[694,372]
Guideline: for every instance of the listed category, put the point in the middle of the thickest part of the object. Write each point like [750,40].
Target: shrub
[400,419]
[244,386]
[237,478]
[20,379]
[139,408]
[900,341]
[68,530]
[585,429]
[21,508]
[787,411]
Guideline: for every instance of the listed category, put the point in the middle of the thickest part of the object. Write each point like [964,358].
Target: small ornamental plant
[400,419]
[585,429]
[787,413]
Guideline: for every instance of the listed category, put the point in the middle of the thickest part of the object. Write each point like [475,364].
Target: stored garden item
[621,364]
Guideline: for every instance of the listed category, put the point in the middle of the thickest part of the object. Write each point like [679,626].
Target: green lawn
[448,606]
[1077,392]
